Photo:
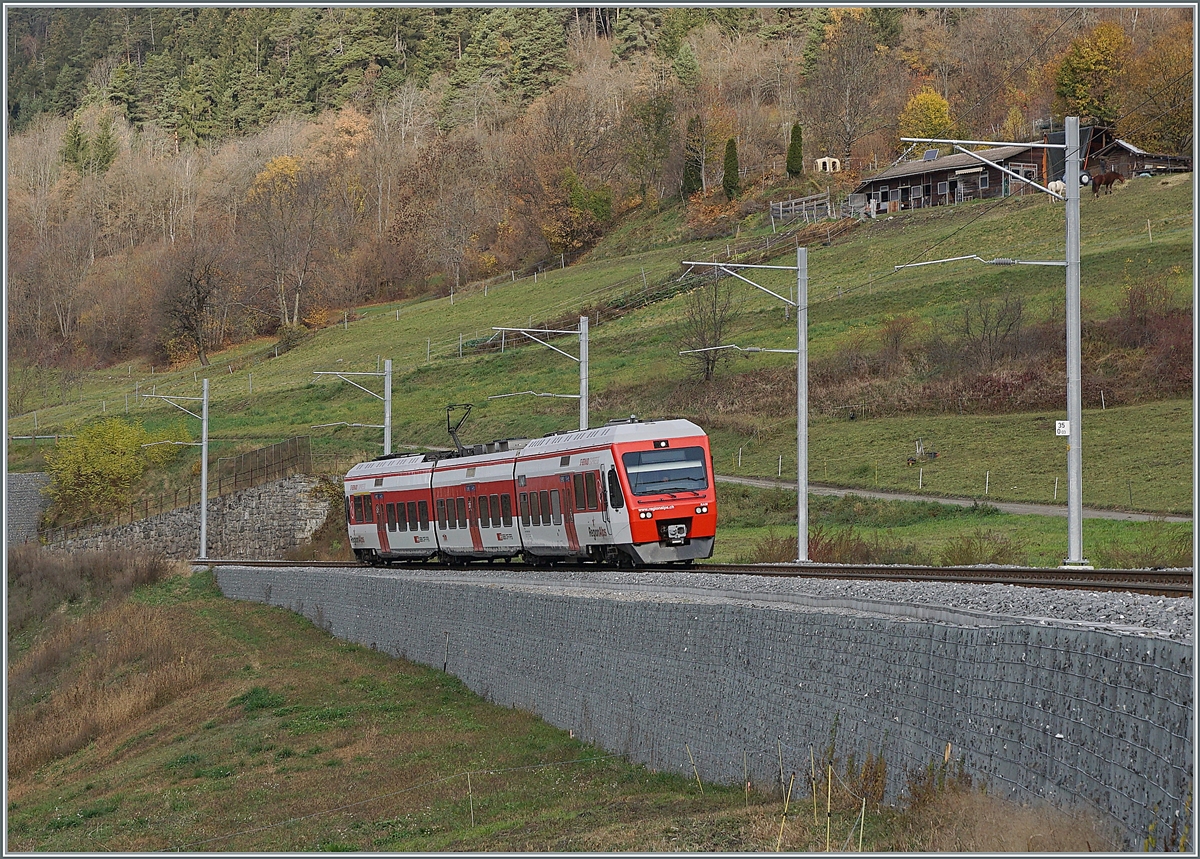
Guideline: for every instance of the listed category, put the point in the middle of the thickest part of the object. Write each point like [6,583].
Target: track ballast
[1167,583]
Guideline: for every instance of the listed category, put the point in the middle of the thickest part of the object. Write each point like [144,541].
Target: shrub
[95,471]
[982,546]
[1157,546]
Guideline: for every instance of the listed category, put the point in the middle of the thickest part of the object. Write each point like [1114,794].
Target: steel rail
[1174,583]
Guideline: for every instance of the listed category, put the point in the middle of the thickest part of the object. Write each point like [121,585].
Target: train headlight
[646,514]
[703,508]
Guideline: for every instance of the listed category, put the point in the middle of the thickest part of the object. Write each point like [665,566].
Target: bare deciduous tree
[709,311]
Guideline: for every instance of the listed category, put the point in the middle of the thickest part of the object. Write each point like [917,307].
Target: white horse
[1058,187]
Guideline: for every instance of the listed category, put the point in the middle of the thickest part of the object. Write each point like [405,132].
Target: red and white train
[630,493]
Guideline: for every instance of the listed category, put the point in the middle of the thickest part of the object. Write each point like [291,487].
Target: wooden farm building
[940,180]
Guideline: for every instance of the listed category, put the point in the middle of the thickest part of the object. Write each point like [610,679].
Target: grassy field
[1135,457]
[754,521]
[168,718]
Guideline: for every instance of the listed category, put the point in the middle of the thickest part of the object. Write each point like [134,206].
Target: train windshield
[661,472]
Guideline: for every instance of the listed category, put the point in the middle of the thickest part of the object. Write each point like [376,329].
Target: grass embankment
[239,727]
[1137,456]
[759,525]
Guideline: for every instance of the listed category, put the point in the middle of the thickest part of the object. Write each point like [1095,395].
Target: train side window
[615,498]
[391,517]
[593,502]
[555,507]
[358,513]
[441,513]
[544,495]
[495,511]
[423,513]
[485,513]
[412,515]
[523,503]
[462,512]
[368,509]
[506,509]
[401,523]
[535,510]
[348,513]
[579,499]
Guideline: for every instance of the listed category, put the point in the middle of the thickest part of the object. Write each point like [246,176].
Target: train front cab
[670,498]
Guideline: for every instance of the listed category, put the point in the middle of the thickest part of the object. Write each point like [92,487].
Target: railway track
[1167,583]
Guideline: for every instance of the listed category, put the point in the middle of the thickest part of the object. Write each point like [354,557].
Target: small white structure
[828,165]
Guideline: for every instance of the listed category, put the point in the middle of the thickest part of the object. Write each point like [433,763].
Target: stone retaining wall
[1045,710]
[261,522]
[23,505]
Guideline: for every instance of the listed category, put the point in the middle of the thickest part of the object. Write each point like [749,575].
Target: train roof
[613,432]
[389,464]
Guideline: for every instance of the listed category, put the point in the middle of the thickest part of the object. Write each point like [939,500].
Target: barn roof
[946,162]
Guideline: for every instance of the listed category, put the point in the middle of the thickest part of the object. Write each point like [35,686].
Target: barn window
[506,509]
[423,514]
[523,503]
[943,187]
[983,181]
[555,507]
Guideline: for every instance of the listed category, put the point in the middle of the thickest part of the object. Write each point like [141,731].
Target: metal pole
[802,403]
[583,372]
[1074,373]
[204,475]
[387,407]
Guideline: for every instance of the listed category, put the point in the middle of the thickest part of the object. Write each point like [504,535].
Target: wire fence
[264,464]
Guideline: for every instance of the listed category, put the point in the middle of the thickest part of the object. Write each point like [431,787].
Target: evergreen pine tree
[75,149]
[693,181]
[795,152]
[730,181]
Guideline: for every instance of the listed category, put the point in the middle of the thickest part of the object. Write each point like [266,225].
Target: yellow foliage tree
[96,470]
[927,114]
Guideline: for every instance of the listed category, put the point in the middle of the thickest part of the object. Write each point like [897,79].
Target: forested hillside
[180,179]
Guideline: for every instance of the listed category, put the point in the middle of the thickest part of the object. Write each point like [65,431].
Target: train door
[570,506]
[381,524]
[474,514]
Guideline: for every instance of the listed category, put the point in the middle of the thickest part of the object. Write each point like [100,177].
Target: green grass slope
[1136,456]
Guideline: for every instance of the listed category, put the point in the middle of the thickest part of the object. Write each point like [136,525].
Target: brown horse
[1105,181]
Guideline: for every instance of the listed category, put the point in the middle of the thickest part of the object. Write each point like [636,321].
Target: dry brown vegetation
[178,719]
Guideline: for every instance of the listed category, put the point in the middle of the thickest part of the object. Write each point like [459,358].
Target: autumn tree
[194,274]
[848,89]
[1159,88]
[1087,83]
[286,202]
[926,114]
